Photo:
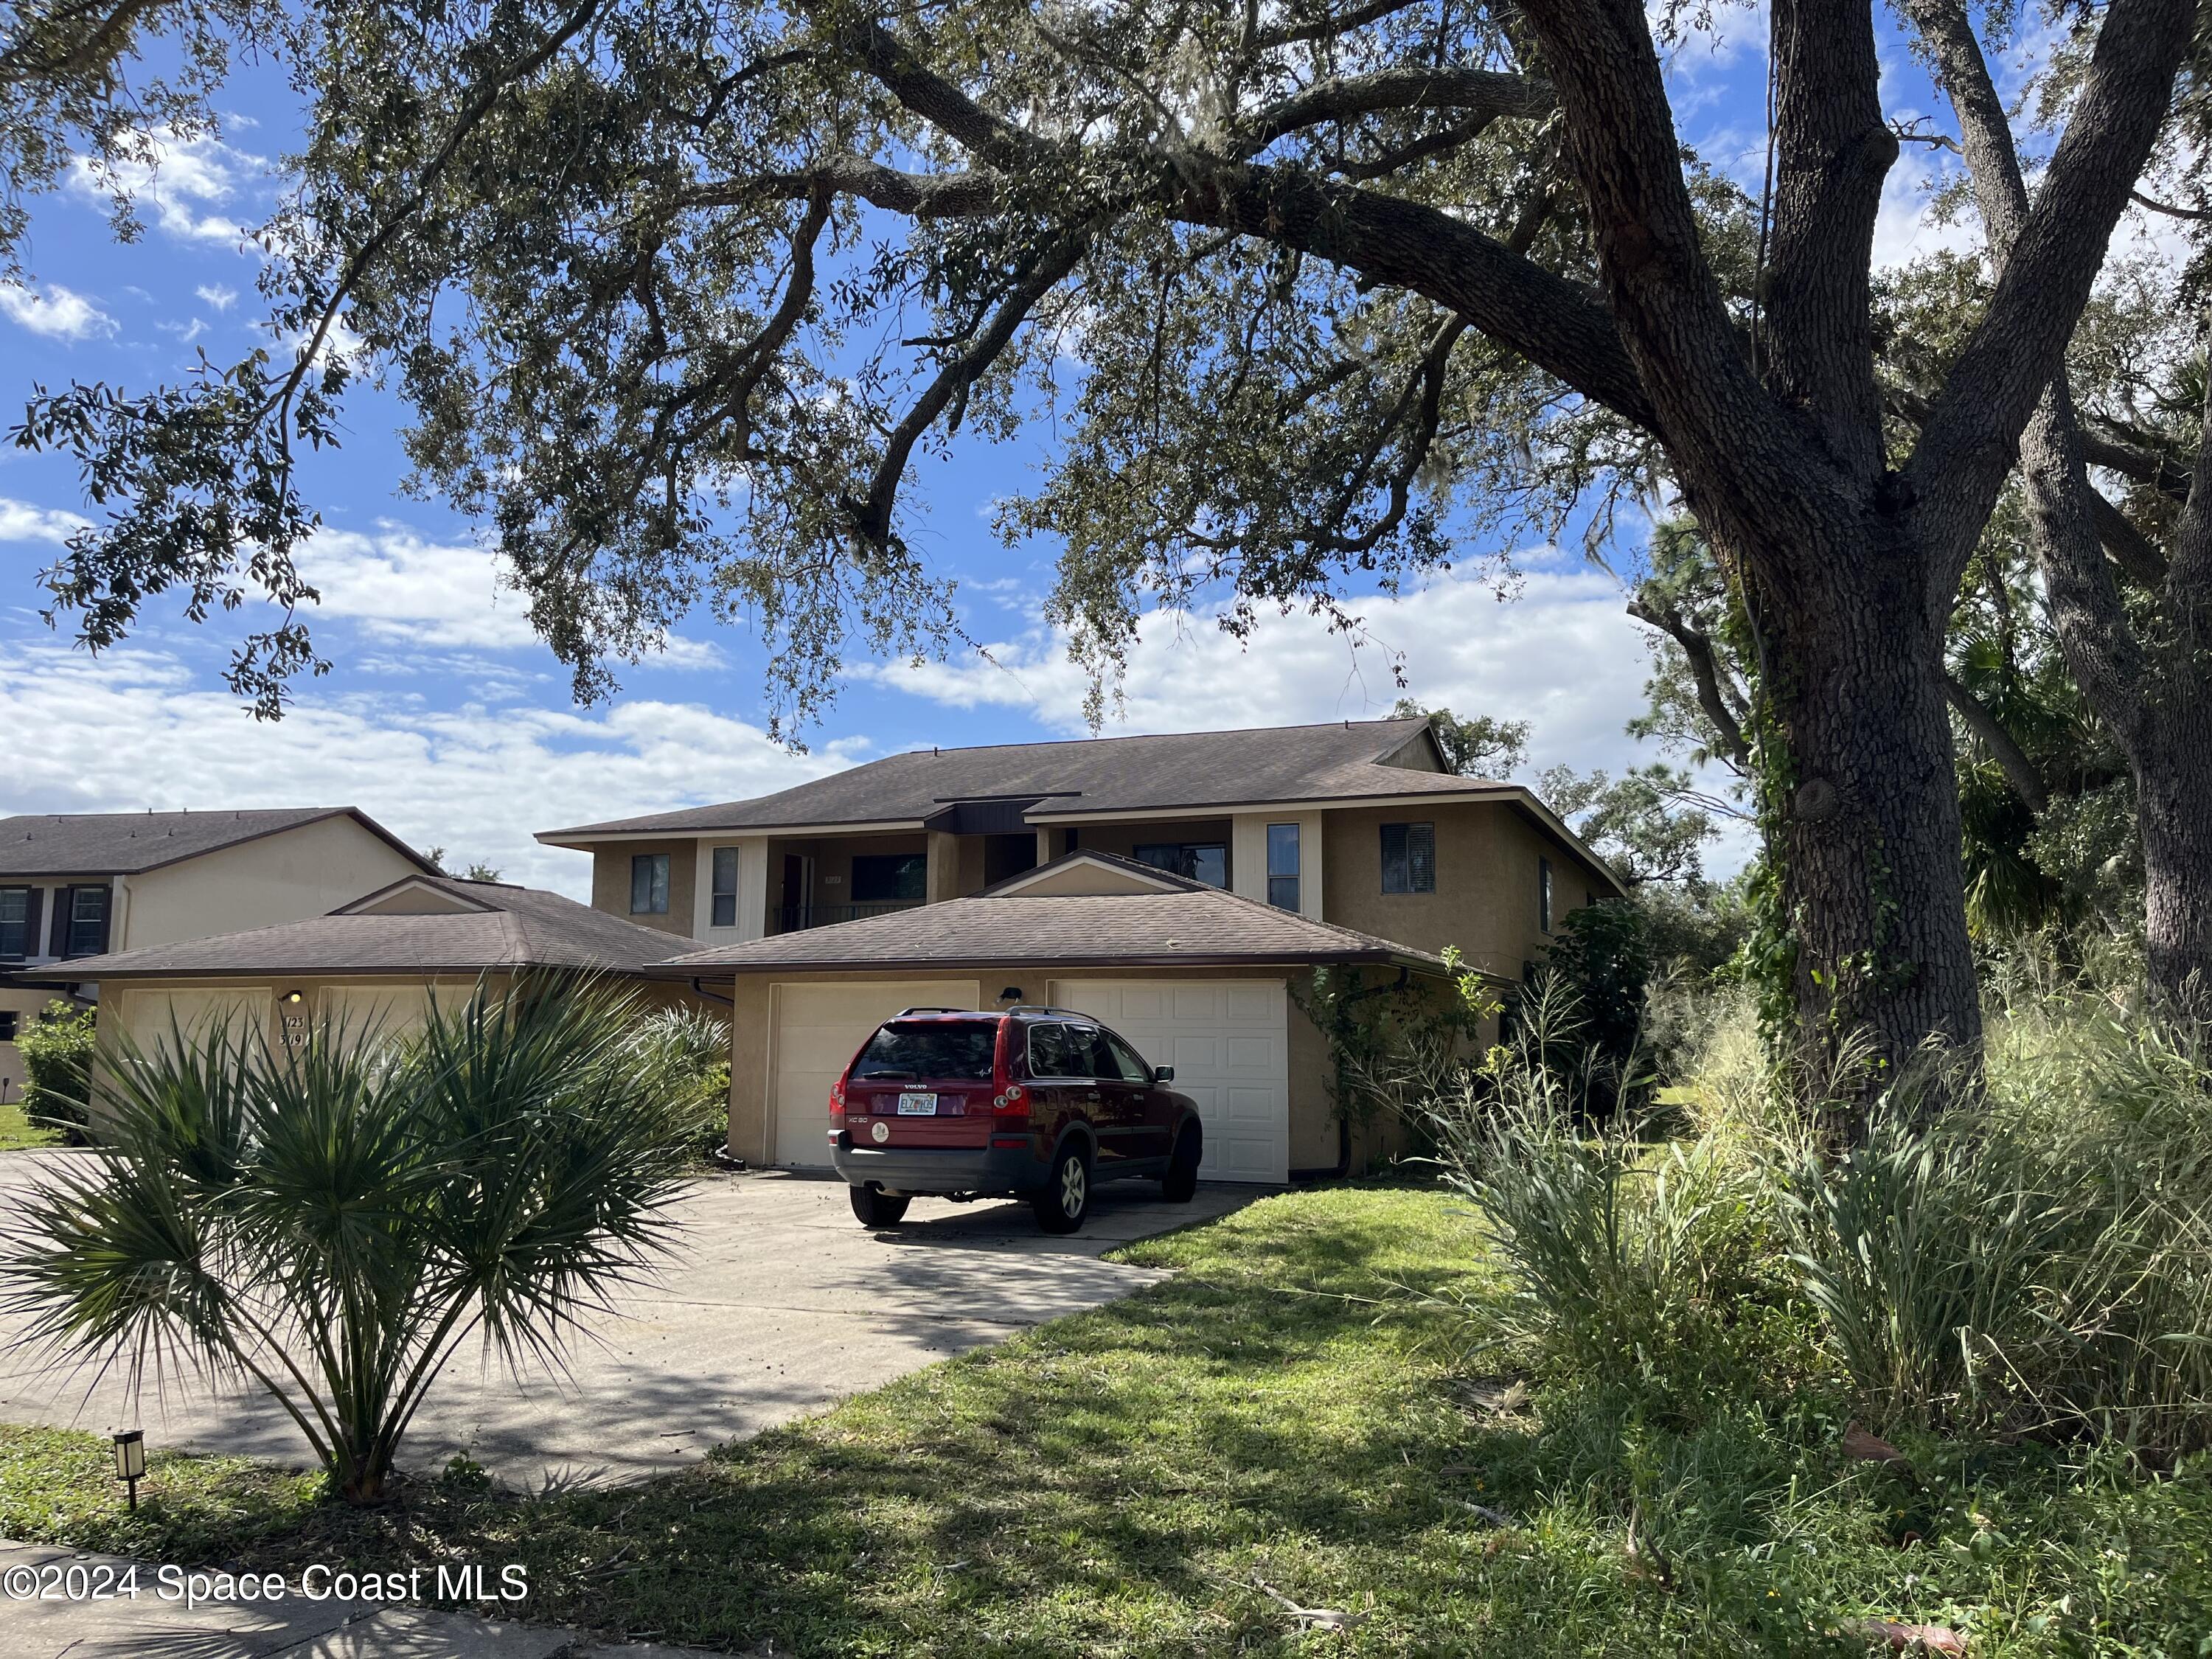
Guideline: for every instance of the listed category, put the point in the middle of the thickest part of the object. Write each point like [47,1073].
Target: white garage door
[1229,1043]
[816,1030]
[152,1018]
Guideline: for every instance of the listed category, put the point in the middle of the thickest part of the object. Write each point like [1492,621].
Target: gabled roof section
[131,844]
[1269,766]
[1191,925]
[1087,871]
[491,927]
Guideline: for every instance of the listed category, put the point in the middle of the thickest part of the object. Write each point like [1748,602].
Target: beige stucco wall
[295,873]
[393,1004]
[1313,1122]
[1486,900]
[610,881]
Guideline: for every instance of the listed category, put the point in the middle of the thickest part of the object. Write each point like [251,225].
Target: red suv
[1039,1103]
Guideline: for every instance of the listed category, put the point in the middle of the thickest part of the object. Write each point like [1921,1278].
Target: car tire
[1180,1184]
[877,1208]
[1063,1202]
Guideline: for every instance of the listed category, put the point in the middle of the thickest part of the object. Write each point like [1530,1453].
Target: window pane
[14,917]
[1421,858]
[885,878]
[1282,849]
[87,928]
[1544,895]
[1205,861]
[1048,1053]
[959,1051]
[724,911]
[648,885]
[1210,864]
[1396,878]
[1134,1069]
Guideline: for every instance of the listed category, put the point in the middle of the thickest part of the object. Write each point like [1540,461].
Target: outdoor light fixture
[130,1460]
[292,997]
[1012,993]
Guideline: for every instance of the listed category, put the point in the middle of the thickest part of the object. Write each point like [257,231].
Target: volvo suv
[1041,1103]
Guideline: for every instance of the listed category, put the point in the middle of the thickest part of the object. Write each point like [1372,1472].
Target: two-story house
[74,885]
[1182,887]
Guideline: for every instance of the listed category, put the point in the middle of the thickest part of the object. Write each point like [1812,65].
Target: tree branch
[1989,731]
[1973,435]
[1487,92]
[1705,672]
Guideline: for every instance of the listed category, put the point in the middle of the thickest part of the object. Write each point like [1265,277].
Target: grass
[1292,1410]
[18,1132]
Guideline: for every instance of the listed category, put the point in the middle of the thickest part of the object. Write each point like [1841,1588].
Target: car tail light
[837,1094]
[1008,1097]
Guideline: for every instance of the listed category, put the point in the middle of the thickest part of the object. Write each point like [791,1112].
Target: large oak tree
[680,292]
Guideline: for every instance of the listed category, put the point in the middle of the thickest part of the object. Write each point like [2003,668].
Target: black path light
[130,1460]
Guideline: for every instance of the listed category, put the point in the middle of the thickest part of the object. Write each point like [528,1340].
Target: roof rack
[1041,1008]
[904,1012]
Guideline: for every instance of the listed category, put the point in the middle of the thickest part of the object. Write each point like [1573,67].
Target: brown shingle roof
[129,843]
[1272,765]
[504,928]
[1196,926]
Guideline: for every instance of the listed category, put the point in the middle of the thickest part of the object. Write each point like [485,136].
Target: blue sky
[446,720]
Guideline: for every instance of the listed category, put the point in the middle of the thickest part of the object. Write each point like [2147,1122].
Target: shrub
[682,1056]
[333,1221]
[58,1048]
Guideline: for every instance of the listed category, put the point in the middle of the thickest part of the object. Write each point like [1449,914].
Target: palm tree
[333,1221]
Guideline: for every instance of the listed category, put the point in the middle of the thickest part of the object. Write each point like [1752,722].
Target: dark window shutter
[58,941]
[31,919]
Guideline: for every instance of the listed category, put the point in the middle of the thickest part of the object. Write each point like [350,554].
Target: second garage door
[1229,1042]
[817,1028]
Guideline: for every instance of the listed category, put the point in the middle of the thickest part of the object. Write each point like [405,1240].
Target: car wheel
[1064,1199]
[878,1208]
[1180,1184]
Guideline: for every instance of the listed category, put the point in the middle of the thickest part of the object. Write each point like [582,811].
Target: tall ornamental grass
[2036,1259]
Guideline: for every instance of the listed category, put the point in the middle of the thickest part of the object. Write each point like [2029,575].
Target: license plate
[920,1104]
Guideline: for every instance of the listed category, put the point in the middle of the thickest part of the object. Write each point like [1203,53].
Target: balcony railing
[790,917]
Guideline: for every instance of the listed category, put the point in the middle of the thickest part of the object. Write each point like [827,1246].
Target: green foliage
[1394,1042]
[1602,952]
[58,1046]
[1645,823]
[333,1221]
[682,1056]
[1477,747]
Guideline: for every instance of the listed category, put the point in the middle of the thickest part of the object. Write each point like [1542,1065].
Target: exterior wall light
[130,1460]
[1012,993]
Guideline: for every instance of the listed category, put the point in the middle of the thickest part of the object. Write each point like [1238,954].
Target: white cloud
[217,295]
[404,589]
[59,314]
[185,183]
[1564,656]
[477,781]
[20,521]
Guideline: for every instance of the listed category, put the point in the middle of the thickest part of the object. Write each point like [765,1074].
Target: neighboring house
[936,877]
[78,885]
[372,964]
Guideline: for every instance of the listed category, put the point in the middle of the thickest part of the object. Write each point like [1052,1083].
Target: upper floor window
[726,887]
[1544,895]
[648,885]
[1409,858]
[1282,866]
[1201,860]
[19,923]
[85,933]
[891,878]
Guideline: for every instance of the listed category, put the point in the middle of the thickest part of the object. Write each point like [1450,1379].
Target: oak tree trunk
[2172,761]
[1869,828]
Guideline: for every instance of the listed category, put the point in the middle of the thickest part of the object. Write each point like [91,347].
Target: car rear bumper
[939,1169]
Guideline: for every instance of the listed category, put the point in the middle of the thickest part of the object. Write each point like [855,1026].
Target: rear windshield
[956,1050]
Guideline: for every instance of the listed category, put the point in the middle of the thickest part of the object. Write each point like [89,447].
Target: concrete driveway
[777,1304]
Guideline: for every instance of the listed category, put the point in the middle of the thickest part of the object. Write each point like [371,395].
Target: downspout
[699,989]
[1343,1119]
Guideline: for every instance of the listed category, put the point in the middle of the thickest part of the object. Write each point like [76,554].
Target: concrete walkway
[49,1610]
[777,1305]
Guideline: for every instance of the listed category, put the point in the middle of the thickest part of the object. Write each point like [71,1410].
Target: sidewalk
[146,1626]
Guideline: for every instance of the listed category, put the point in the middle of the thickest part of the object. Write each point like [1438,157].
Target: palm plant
[332,1222]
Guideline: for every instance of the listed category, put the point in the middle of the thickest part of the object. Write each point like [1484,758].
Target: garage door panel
[1229,1042]
[816,1030]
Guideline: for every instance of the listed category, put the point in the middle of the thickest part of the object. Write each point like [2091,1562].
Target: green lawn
[1282,1414]
[16,1131]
